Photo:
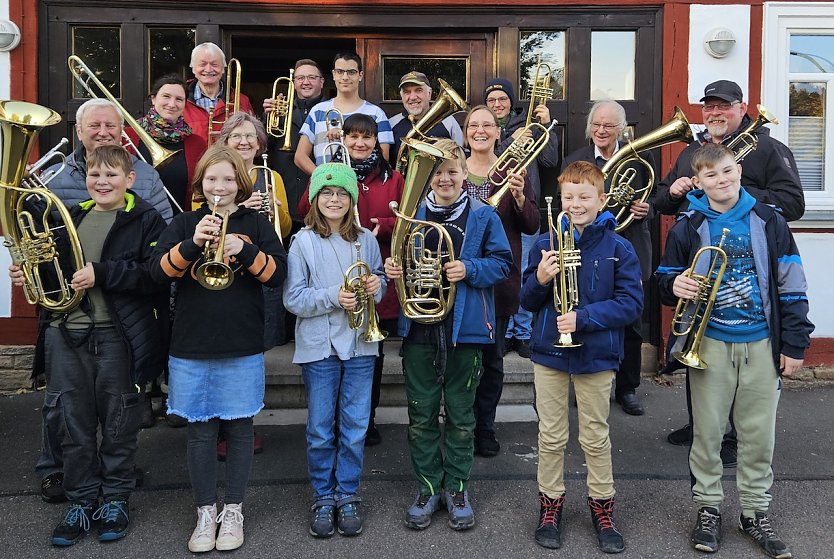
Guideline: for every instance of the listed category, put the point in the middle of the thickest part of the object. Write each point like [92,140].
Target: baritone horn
[214,273]
[516,158]
[354,282]
[539,92]
[621,170]
[746,141]
[279,121]
[566,286]
[31,215]
[692,315]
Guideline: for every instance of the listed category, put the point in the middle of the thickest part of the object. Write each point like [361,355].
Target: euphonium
[746,141]
[30,214]
[423,296]
[365,306]
[693,314]
[214,273]
[566,286]
[269,203]
[621,170]
[448,103]
[279,120]
[231,102]
[516,158]
[539,91]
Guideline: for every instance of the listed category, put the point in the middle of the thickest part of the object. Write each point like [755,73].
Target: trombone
[365,307]
[269,203]
[279,120]
[539,90]
[231,102]
[566,290]
[516,158]
[214,274]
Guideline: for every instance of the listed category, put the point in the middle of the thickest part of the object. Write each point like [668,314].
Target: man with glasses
[347,74]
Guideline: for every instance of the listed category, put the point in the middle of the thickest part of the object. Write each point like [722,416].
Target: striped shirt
[315,127]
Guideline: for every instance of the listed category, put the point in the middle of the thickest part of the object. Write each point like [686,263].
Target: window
[547,47]
[453,70]
[613,64]
[100,49]
[169,52]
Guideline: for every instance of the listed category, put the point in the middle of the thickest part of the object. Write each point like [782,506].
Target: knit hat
[334,174]
[500,84]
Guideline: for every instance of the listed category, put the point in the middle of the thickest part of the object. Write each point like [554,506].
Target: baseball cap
[414,77]
[723,89]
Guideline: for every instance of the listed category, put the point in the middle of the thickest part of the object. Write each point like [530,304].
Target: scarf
[447,213]
[162,130]
[365,167]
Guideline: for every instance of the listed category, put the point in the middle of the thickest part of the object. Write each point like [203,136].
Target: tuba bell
[279,121]
[365,306]
[620,170]
[746,141]
[30,214]
[516,158]
[566,288]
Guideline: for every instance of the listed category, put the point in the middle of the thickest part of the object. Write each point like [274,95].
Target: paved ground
[654,510]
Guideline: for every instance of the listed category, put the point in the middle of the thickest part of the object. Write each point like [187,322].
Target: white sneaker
[205,534]
[231,528]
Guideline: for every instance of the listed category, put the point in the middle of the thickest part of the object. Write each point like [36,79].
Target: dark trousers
[51,460]
[628,375]
[88,387]
[492,382]
[202,458]
[389,325]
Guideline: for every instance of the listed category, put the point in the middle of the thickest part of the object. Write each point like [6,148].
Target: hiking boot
[52,488]
[348,519]
[729,453]
[461,515]
[549,532]
[372,436]
[76,522]
[706,536]
[522,347]
[113,519]
[486,445]
[762,532]
[204,535]
[230,535]
[419,514]
[321,523]
[602,514]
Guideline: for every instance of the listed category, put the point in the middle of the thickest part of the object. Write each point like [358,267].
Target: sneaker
[549,532]
[113,519]
[372,437]
[522,347]
[75,524]
[630,403]
[729,453]
[760,529]
[419,514]
[230,535]
[681,437]
[348,519]
[602,514]
[706,536]
[461,515]
[204,535]
[321,523]
[486,445]
[52,488]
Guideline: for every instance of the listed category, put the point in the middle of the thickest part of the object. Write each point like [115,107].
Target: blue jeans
[332,384]
[521,323]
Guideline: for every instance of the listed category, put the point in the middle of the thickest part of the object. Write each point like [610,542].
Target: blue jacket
[487,256]
[610,298]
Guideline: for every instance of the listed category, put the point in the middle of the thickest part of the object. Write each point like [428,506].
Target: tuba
[365,305]
[746,141]
[448,103]
[269,203]
[566,289]
[620,170]
[693,314]
[214,273]
[30,214]
[516,158]
[423,296]
[279,120]
[231,102]
[539,91]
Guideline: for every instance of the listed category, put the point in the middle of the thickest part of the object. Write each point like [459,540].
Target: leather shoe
[630,403]
[680,437]
[522,347]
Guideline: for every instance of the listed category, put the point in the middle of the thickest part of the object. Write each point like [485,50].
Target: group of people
[143,276]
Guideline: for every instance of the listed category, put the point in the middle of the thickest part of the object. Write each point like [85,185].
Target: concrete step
[285,389]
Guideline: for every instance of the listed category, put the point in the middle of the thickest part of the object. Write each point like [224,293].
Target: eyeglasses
[719,106]
[339,193]
[606,127]
[351,73]
[309,78]
[236,137]
[494,100]
[486,126]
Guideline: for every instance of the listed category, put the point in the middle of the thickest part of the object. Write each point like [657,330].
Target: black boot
[549,532]
[602,515]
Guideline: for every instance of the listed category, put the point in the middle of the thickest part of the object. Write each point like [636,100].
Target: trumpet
[693,314]
[354,282]
[231,102]
[269,202]
[566,290]
[279,120]
[214,273]
[539,91]
[746,141]
[516,158]
[333,147]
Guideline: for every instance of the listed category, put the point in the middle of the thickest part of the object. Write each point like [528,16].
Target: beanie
[334,174]
[500,84]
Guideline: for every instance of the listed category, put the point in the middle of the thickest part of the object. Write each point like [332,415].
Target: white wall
[703,68]
[816,250]
[5,260]
[5,68]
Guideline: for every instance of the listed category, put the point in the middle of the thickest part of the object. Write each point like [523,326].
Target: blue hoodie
[610,298]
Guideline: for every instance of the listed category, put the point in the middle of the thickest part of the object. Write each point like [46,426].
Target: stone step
[285,389]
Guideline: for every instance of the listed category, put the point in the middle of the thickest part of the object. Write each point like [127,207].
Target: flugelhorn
[269,202]
[214,273]
[516,158]
[279,120]
[539,91]
[231,102]
[693,314]
[621,170]
[365,308]
[30,214]
[566,286]
[746,141]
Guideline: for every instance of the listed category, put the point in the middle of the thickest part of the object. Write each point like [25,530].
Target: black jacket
[768,173]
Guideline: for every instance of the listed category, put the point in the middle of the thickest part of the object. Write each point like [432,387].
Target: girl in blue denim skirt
[216,358]
[336,363]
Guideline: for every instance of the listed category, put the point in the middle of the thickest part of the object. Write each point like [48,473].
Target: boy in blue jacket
[444,359]
[758,329]
[610,299]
